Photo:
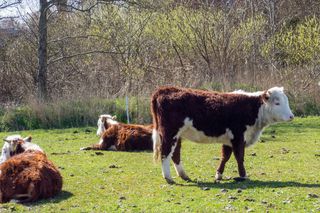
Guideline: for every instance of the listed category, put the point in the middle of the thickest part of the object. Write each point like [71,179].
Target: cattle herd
[235,119]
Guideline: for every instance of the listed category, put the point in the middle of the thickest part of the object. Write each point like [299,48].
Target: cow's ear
[27,139]
[266,96]
[114,117]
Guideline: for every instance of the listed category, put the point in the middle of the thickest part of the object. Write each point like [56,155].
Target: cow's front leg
[226,152]
[177,161]
[238,151]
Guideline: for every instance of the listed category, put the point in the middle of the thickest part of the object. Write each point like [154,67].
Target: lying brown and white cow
[27,175]
[235,120]
[122,137]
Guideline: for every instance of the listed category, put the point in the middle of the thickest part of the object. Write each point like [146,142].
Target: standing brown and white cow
[235,120]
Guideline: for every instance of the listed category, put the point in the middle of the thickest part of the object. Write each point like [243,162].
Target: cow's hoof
[170,181]
[186,178]
[240,179]
[84,148]
[218,176]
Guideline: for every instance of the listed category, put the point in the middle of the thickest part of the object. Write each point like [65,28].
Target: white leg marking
[218,176]
[166,168]
[101,141]
[166,164]
[180,171]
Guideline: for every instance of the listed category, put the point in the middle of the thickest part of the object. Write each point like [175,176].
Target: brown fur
[29,176]
[211,112]
[125,137]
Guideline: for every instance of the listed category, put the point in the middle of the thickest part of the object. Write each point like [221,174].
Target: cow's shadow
[63,195]
[250,184]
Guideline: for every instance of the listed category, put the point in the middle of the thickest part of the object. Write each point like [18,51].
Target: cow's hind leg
[226,152]
[177,161]
[167,150]
[238,151]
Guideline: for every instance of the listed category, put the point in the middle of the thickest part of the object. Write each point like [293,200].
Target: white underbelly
[191,133]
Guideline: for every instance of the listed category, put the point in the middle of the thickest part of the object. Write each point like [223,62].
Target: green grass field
[284,171]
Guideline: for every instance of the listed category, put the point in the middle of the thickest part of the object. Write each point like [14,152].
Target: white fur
[101,141]
[277,113]
[110,120]
[155,138]
[13,138]
[272,113]
[156,144]
[180,171]
[252,134]
[188,131]
[5,154]
[31,146]
[268,114]
[10,146]
[166,164]
[242,92]
[218,176]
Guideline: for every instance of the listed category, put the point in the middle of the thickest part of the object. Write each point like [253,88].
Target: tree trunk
[42,91]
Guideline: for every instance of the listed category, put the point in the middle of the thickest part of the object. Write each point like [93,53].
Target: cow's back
[135,137]
[18,172]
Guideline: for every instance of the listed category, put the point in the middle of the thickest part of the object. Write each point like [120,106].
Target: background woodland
[84,57]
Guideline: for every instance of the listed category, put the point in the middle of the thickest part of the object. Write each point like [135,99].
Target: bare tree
[8,4]
[62,5]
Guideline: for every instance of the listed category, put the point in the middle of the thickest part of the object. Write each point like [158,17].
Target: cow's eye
[277,103]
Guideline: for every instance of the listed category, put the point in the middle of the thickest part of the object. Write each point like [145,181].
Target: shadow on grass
[63,195]
[105,151]
[251,184]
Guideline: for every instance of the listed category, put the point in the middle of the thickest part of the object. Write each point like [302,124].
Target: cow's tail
[157,144]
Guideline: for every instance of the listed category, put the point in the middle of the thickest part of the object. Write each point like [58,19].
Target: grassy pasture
[284,171]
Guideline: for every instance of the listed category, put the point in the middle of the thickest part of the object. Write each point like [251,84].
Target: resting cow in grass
[26,174]
[235,120]
[122,137]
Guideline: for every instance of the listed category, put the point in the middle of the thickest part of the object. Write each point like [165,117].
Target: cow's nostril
[291,117]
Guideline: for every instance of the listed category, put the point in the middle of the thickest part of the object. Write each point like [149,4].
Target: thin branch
[82,54]
[8,17]
[76,37]
[6,4]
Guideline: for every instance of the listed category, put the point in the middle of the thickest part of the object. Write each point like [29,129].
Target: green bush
[308,107]
[73,113]
[296,45]
[19,118]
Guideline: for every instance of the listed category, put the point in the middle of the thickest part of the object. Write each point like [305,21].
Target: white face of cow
[277,105]
[109,119]
[10,145]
